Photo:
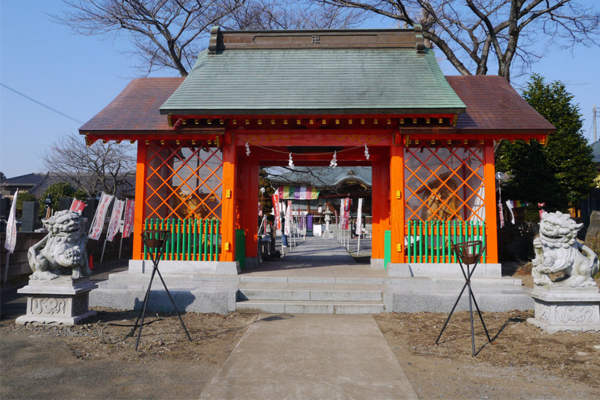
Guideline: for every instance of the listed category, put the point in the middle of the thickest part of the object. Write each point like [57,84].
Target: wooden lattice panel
[444,181]
[184,181]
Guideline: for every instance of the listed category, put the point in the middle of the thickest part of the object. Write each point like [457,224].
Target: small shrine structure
[263,98]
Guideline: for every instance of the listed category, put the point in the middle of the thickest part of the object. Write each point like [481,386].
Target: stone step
[308,292]
[310,307]
[127,276]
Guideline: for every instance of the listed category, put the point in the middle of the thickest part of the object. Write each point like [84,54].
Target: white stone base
[186,267]
[58,302]
[561,308]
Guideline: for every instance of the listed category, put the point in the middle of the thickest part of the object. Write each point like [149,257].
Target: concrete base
[58,302]
[187,267]
[412,270]
[377,263]
[561,308]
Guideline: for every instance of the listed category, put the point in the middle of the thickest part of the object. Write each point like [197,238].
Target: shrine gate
[261,98]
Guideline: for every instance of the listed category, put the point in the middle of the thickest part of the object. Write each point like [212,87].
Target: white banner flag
[128,218]
[100,216]
[288,217]
[11,226]
[115,220]
[359,218]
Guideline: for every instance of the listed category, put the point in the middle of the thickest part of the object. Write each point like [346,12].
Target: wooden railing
[431,241]
[191,239]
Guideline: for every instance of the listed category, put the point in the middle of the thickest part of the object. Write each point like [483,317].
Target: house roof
[326,177]
[285,72]
[28,180]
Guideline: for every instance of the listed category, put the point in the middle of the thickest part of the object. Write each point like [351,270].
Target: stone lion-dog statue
[63,247]
[557,249]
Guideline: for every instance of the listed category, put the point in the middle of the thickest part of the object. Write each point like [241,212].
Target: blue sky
[80,75]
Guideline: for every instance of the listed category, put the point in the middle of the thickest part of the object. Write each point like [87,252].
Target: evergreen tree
[559,174]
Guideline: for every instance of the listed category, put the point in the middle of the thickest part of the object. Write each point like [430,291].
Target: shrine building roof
[315,72]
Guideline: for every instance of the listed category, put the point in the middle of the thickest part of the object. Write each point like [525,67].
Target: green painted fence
[191,239]
[431,241]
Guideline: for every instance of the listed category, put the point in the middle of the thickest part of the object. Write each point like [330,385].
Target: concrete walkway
[303,356]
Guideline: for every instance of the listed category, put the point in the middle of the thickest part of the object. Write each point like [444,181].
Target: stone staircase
[310,298]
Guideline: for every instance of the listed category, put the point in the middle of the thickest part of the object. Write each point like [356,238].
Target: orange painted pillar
[397,202]
[228,211]
[140,199]
[380,203]
[489,181]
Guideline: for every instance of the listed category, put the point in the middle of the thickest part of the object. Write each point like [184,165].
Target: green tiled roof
[314,81]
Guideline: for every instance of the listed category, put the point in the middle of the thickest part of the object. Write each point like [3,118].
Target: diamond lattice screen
[444,182]
[184,181]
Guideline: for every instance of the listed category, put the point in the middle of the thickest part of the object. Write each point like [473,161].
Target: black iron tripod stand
[468,253]
[156,242]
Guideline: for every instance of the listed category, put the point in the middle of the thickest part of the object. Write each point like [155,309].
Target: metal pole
[103,248]
[120,246]
[6,269]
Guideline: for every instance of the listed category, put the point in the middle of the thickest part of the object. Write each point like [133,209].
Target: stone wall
[19,264]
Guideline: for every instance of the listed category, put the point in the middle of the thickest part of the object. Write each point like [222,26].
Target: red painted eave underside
[494,109]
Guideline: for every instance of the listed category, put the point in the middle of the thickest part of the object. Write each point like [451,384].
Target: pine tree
[559,174]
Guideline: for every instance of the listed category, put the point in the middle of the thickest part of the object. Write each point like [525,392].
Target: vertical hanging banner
[309,222]
[346,210]
[288,218]
[276,211]
[359,218]
[77,206]
[115,220]
[11,227]
[100,216]
[128,218]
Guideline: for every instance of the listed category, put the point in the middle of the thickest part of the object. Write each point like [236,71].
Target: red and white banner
[128,218]
[77,206]
[275,199]
[100,216]
[359,218]
[11,227]
[115,220]
[346,213]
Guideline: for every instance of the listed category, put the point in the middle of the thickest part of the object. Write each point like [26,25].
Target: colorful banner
[309,222]
[100,216]
[11,227]
[275,199]
[77,206]
[346,211]
[288,218]
[115,220]
[359,218]
[298,193]
[128,218]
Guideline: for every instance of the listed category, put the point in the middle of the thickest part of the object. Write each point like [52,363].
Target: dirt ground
[97,360]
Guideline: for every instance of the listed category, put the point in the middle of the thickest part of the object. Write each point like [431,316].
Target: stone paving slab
[311,357]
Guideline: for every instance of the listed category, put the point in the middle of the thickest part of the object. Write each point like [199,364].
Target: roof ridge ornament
[213,42]
[419,40]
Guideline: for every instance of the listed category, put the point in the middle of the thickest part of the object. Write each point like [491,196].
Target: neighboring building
[23,182]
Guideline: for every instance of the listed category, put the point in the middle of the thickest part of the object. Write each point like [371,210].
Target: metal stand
[468,253]
[155,241]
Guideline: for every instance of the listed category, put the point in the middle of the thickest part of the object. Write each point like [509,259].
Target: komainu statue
[557,249]
[63,247]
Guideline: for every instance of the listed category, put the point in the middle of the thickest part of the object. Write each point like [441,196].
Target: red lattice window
[444,181]
[184,181]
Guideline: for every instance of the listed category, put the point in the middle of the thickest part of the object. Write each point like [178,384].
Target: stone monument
[53,298]
[571,303]
[328,233]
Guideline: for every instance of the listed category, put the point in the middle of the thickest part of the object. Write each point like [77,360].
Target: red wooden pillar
[380,203]
[396,197]
[140,199]
[228,213]
[489,181]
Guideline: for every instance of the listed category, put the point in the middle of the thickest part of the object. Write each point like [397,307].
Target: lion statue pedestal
[53,298]
[572,303]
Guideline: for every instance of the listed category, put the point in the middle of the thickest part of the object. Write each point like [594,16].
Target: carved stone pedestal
[61,301]
[565,309]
